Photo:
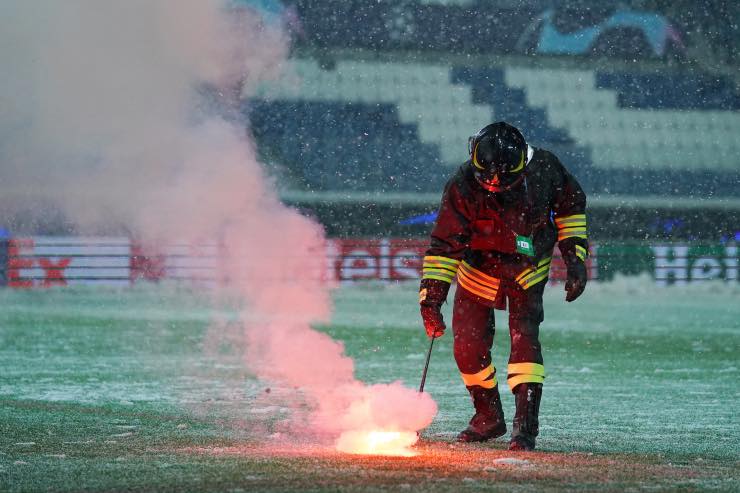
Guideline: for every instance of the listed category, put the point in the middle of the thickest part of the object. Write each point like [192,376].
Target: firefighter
[501,214]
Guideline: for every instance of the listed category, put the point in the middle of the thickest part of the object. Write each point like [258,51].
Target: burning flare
[382,419]
[378,442]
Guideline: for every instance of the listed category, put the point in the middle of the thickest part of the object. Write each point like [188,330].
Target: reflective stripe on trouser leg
[524,373]
[473,329]
[525,316]
[485,378]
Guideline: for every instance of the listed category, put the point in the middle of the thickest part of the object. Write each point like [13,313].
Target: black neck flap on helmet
[499,155]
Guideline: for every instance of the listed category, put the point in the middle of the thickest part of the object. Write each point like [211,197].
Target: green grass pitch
[145,389]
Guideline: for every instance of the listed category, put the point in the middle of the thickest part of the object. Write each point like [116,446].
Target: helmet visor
[486,156]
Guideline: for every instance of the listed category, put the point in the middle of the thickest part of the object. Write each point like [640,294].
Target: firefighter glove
[576,282]
[432,293]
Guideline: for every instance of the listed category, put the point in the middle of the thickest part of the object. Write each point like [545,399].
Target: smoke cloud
[123,115]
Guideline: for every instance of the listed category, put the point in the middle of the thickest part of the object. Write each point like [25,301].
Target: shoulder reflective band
[571,226]
[440,268]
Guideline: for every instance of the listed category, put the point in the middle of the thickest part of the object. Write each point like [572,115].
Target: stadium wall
[44,262]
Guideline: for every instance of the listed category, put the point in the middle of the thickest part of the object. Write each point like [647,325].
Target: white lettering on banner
[359,264]
[386,259]
[385,262]
[673,263]
[44,261]
[664,267]
[401,264]
[706,268]
[731,263]
[332,252]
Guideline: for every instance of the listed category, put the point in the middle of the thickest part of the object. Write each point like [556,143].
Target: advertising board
[43,261]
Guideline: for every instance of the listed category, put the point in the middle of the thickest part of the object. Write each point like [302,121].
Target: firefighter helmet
[499,154]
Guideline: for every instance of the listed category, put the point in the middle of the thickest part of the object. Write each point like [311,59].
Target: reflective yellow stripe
[488,384]
[439,268]
[544,263]
[581,252]
[477,282]
[572,233]
[474,378]
[571,226]
[484,278]
[473,277]
[437,277]
[528,368]
[514,381]
[531,281]
[470,280]
[532,276]
[526,272]
[481,378]
[438,261]
[476,289]
[444,273]
[573,220]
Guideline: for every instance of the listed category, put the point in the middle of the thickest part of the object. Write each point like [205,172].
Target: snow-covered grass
[146,388]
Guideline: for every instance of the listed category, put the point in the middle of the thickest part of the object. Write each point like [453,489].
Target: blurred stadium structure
[639,99]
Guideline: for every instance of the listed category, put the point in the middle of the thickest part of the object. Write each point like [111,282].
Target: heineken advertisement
[670,263]
[676,263]
[38,262]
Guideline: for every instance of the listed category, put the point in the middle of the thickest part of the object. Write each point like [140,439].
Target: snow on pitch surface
[632,368]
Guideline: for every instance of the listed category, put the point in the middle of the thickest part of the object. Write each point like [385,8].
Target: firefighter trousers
[473,326]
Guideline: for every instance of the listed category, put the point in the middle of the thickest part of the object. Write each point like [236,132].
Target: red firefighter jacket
[475,236]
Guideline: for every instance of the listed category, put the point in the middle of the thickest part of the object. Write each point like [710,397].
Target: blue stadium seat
[338,146]
[509,104]
[683,91]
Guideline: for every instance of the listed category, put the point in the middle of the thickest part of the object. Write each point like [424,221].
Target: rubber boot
[526,424]
[488,421]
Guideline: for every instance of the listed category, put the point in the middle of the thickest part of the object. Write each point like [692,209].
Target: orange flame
[378,442]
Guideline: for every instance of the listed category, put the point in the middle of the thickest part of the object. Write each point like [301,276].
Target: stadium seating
[635,137]
[345,146]
[424,96]
[658,91]
[359,123]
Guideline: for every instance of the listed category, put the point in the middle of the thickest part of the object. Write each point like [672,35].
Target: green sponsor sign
[669,263]
[524,245]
